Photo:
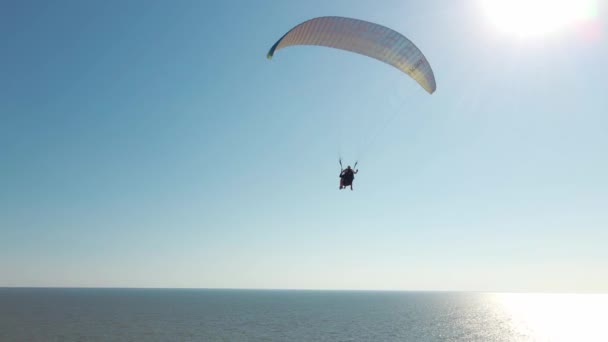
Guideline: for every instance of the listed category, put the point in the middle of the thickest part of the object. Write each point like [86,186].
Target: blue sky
[152,144]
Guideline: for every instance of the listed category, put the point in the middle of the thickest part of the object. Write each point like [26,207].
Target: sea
[88,314]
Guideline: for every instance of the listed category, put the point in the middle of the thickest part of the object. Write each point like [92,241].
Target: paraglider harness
[346,175]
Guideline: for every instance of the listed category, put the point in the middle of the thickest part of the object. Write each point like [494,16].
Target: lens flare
[533,18]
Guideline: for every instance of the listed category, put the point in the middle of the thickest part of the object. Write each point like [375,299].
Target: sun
[534,18]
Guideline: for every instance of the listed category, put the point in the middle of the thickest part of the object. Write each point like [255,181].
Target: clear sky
[152,144]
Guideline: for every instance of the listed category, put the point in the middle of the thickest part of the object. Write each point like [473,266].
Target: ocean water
[38,314]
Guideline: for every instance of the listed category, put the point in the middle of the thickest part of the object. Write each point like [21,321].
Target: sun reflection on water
[557,317]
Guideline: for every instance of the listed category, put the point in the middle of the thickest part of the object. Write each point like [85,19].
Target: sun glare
[557,317]
[533,18]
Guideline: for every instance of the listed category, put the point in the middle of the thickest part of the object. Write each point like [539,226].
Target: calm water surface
[260,315]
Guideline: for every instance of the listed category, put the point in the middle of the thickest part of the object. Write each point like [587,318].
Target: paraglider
[347,175]
[365,38]
[362,37]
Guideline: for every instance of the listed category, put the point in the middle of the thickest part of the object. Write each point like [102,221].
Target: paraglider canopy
[369,39]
